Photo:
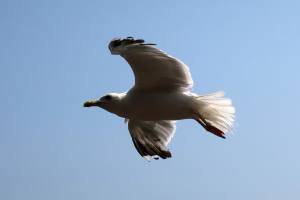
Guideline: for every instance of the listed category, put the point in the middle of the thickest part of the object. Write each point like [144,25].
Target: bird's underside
[162,112]
[154,106]
[160,96]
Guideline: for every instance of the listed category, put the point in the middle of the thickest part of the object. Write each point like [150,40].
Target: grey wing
[151,138]
[156,70]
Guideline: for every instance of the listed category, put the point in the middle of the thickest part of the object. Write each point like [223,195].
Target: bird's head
[109,102]
[117,45]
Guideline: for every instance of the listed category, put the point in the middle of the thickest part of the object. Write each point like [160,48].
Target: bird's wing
[156,70]
[151,138]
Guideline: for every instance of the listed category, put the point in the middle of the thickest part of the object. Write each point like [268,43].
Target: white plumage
[154,69]
[160,96]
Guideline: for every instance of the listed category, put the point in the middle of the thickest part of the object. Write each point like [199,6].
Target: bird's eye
[107,97]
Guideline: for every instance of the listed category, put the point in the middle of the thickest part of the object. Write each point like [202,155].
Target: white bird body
[156,105]
[161,94]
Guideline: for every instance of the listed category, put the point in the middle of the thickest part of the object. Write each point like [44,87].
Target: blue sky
[54,56]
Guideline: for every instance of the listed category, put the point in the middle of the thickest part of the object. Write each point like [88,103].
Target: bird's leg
[209,127]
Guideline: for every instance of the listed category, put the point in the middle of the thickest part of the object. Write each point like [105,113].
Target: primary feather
[152,137]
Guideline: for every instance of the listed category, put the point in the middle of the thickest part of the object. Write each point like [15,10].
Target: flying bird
[160,96]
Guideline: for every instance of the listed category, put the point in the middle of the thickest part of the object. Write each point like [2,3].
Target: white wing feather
[151,138]
[156,70]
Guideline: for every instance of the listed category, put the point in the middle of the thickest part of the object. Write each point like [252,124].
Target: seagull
[160,96]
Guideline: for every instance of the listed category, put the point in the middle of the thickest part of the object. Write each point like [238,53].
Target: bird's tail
[215,113]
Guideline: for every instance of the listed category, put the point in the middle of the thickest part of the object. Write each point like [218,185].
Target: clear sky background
[54,56]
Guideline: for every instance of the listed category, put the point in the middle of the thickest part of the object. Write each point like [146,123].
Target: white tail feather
[217,111]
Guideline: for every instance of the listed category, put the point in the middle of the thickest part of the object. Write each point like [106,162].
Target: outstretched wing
[153,69]
[151,138]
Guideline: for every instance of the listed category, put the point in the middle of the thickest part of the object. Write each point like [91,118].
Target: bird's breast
[158,106]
